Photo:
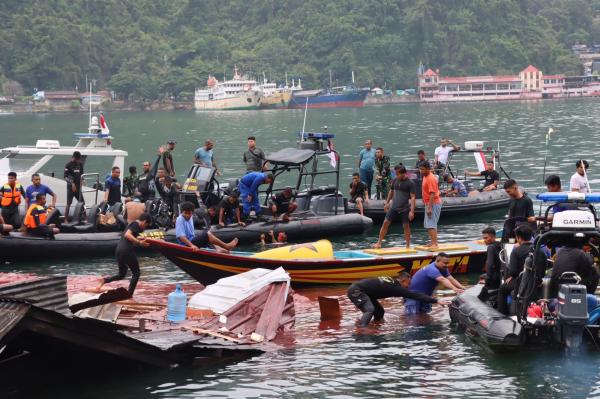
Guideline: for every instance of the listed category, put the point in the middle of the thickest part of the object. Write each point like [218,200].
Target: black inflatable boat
[540,319]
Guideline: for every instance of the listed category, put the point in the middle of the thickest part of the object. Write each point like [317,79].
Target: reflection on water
[404,356]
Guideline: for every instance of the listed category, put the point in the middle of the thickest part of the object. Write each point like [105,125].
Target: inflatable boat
[318,263]
[539,321]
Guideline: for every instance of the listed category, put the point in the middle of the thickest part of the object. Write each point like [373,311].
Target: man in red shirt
[432,201]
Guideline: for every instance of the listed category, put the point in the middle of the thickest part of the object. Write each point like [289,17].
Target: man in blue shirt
[184,230]
[112,187]
[426,280]
[249,190]
[204,156]
[38,188]
[366,163]
[457,188]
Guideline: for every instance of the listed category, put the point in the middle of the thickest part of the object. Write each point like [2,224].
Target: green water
[405,358]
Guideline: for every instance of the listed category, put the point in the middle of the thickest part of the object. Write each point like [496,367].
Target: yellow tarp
[321,249]
[442,247]
[390,251]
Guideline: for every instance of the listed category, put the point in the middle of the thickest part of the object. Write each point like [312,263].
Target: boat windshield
[18,163]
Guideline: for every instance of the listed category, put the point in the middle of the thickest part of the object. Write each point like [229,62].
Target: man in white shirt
[579,182]
[441,153]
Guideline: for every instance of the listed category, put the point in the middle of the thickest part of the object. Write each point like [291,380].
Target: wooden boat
[318,263]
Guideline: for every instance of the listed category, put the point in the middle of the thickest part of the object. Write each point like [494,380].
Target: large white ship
[235,94]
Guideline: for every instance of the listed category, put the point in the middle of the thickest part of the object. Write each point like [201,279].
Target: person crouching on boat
[229,210]
[184,230]
[427,279]
[283,204]
[400,202]
[364,294]
[248,187]
[35,219]
[125,252]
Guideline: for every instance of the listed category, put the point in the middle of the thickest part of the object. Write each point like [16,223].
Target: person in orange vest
[35,219]
[10,199]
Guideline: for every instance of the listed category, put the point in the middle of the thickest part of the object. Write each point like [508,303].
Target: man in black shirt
[358,192]
[365,293]
[520,209]
[401,202]
[421,158]
[167,191]
[229,210]
[125,253]
[73,172]
[515,266]
[283,204]
[571,258]
[146,188]
[492,178]
[492,263]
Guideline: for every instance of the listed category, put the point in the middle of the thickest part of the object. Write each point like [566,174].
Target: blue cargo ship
[346,96]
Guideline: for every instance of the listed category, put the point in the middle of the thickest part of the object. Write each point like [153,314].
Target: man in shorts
[283,204]
[184,230]
[432,201]
[400,203]
[358,193]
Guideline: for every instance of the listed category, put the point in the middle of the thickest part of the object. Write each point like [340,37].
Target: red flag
[103,124]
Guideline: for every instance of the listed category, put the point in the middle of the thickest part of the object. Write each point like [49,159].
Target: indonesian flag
[333,156]
[103,125]
[480,160]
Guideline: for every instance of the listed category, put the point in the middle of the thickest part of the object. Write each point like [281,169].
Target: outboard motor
[572,314]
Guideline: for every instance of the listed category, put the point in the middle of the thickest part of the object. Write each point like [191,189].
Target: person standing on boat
[112,187]
[72,174]
[421,158]
[443,151]
[493,265]
[364,294]
[168,192]
[184,231]
[433,203]
[204,156]
[167,157]
[146,188]
[366,163]
[427,279]
[10,199]
[358,193]
[579,181]
[492,178]
[520,209]
[35,219]
[125,253]
[400,202]
[254,157]
[38,188]
[130,182]
[382,173]
[248,187]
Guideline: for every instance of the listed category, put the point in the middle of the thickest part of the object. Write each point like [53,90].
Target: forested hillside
[150,49]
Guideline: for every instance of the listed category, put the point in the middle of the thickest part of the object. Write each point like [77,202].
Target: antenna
[352,77]
[304,123]
[90,103]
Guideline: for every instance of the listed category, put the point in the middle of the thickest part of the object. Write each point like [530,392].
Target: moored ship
[238,93]
[344,96]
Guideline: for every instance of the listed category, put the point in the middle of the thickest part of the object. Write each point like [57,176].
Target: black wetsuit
[73,172]
[365,293]
[127,258]
[573,260]
[493,275]
[169,195]
[146,185]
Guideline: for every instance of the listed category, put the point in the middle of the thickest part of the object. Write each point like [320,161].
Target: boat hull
[207,266]
[353,99]
[451,206]
[242,101]
[276,100]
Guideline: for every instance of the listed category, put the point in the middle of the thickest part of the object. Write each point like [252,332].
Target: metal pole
[304,123]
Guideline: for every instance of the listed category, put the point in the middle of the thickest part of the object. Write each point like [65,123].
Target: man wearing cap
[204,156]
[167,157]
[254,157]
[283,204]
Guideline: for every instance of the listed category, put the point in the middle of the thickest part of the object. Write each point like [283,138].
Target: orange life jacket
[11,195]
[30,220]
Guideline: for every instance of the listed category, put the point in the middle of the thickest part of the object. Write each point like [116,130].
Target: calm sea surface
[401,358]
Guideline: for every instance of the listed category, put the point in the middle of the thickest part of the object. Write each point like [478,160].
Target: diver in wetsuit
[515,266]
[365,293]
[572,258]
[493,275]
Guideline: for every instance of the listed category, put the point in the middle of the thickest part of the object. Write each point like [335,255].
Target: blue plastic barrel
[176,305]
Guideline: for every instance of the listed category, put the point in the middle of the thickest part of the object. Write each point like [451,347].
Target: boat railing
[95,188]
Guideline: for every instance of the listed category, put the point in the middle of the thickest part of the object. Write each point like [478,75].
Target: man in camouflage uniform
[382,173]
